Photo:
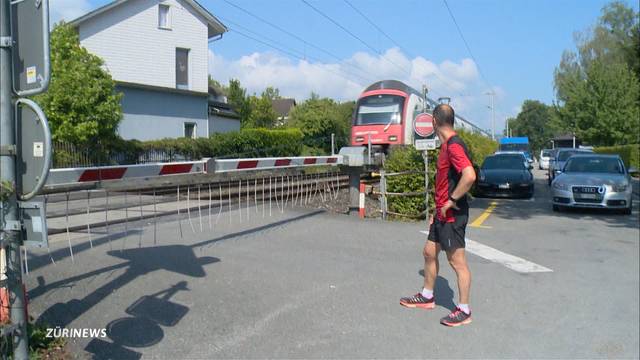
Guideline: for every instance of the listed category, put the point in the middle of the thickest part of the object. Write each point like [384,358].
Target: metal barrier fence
[68,155]
[383,193]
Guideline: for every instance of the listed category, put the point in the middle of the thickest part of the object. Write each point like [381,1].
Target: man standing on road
[454,177]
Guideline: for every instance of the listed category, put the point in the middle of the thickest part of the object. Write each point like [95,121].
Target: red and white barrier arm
[122,172]
[235,165]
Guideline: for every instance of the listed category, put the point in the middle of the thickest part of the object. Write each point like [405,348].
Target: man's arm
[466,182]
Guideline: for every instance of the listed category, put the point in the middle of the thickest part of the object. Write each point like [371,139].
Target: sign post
[425,141]
[24,71]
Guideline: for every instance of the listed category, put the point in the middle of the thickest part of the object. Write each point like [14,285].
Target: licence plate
[503,186]
[587,196]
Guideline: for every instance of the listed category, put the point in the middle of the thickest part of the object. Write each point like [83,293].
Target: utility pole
[10,221]
[507,122]
[493,115]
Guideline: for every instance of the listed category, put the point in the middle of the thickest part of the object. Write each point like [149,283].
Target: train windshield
[380,110]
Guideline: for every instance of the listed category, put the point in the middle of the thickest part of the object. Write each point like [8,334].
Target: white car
[543,162]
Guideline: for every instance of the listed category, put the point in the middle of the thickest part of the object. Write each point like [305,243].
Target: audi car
[505,175]
[593,181]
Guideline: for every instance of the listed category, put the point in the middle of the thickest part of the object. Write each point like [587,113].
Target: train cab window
[380,110]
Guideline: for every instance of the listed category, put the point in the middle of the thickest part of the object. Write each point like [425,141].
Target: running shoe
[456,318]
[418,301]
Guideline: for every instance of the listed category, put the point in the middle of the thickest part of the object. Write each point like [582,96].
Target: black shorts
[450,235]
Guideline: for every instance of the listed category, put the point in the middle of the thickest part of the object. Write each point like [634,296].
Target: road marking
[478,222]
[494,255]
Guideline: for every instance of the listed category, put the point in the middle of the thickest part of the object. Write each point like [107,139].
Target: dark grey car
[557,162]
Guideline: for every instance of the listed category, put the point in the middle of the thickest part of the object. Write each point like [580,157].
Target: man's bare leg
[458,261]
[431,264]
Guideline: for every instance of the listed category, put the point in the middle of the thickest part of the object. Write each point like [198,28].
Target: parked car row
[578,178]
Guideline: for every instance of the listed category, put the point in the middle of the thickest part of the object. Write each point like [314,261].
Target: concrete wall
[219,124]
[136,50]
[150,115]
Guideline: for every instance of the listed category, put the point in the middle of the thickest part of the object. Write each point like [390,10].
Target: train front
[379,119]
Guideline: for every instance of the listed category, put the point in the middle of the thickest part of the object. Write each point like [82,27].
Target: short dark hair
[444,114]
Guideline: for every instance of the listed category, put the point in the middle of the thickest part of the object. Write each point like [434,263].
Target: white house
[156,51]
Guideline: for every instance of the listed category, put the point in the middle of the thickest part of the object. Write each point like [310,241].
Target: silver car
[593,181]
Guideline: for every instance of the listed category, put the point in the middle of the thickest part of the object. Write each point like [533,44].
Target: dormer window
[164,19]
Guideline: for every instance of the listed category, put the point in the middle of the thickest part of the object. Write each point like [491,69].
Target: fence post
[354,188]
[383,194]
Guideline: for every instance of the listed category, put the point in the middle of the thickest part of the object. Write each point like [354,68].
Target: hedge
[408,158]
[630,154]
[244,143]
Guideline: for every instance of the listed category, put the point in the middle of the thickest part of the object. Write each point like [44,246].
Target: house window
[164,21]
[190,130]
[182,68]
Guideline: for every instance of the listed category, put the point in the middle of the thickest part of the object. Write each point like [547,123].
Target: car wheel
[556,208]
[627,211]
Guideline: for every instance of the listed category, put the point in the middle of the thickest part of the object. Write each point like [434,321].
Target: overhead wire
[284,51]
[297,37]
[321,13]
[381,31]
[284,48]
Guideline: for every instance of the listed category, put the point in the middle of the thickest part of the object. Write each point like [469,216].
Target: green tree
[262,113]
[318,118]
[535,122]
[604,109]
[597,86]
[237,98]
[81,104]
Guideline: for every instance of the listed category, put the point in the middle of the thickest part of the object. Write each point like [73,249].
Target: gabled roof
[214,25]
[282,107]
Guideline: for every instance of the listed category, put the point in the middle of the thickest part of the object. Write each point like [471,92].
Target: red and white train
[385,112]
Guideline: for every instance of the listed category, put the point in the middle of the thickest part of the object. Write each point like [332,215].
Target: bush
[408,158]
[245,143]
[630,154]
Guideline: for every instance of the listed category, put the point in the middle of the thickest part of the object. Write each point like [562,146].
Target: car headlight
[560,185]
[619,187]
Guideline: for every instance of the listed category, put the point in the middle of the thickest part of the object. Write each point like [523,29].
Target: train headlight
[393,138]
[359,139]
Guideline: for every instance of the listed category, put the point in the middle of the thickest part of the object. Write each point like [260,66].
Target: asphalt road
[309,284]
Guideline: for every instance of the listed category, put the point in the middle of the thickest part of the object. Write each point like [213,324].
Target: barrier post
[361,201]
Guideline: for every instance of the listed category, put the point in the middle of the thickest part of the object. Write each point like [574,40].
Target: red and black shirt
[453,158]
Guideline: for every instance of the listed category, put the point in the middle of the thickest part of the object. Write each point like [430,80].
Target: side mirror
[633,170]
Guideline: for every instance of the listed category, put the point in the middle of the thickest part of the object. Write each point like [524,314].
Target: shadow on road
[442,292]
[143,328]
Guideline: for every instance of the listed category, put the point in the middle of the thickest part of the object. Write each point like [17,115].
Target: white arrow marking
[512,262]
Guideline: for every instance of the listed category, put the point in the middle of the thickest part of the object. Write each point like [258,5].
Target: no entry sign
[423,125]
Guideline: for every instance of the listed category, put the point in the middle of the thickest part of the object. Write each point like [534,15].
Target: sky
[336,48]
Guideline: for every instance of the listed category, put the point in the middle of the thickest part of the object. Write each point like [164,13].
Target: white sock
[464,308]
[427,293]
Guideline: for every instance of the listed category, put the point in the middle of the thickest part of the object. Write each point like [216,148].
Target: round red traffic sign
[423,124]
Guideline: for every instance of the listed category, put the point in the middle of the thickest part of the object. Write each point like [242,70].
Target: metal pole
[507,127]
[493,118]
[369,149]
[10,211]
[333,144]
[425,156]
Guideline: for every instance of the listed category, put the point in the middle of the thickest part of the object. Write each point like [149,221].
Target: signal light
[393,138]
